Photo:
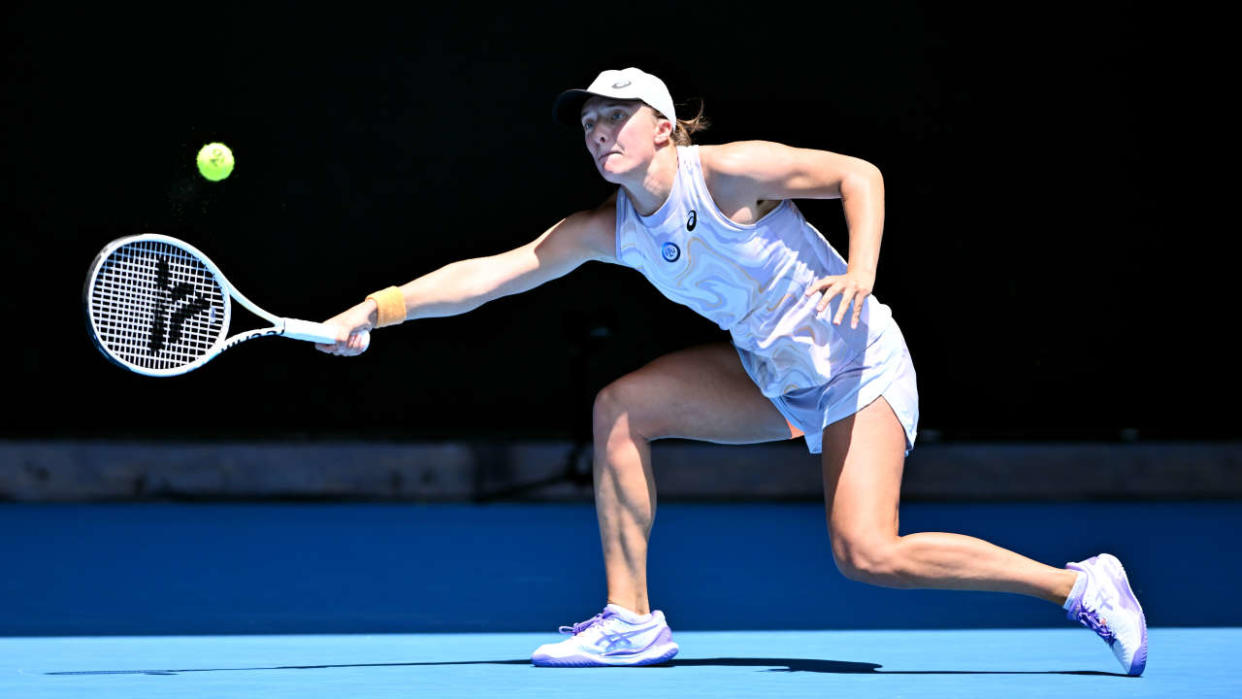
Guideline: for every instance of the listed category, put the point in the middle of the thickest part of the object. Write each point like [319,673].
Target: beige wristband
[390,305]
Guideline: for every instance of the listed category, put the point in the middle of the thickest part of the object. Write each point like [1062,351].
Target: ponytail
[686,127]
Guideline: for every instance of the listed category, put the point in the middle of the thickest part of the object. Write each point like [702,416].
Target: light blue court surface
[375,600]
[993,663]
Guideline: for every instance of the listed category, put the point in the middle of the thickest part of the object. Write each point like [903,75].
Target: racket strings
[156,306]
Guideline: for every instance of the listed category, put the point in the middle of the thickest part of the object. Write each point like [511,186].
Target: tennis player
[813,354]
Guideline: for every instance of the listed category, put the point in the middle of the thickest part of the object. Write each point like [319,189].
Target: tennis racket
[158,306]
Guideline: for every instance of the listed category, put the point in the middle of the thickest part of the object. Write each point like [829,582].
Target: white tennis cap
[628,84]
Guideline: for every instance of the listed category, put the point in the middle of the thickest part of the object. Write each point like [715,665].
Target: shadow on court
[837,667]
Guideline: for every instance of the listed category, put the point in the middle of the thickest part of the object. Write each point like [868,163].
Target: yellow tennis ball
[215,161]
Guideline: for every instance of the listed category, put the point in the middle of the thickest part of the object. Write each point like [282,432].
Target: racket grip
[322,333]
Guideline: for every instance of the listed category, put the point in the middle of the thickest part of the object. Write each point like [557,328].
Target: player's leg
[863,459]
[699,393]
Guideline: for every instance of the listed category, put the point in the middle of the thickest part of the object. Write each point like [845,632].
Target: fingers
[353,334]
[847,296]
[352,345]
[831,286]
[852,295]
[338,348]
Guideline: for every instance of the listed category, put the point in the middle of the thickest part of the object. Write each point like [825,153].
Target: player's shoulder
[735,172]
[597,218]
[739,158]
[606,212]
[595,228]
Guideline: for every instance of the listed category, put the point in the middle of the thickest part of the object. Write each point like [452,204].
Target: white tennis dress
[751,280]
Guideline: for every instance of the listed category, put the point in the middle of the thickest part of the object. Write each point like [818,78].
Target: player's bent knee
[865,559]
[615,409]
[624,405]
[610,405]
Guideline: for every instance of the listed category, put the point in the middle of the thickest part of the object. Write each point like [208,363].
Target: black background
[1045,249]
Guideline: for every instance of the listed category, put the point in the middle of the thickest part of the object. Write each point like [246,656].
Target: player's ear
[664,131]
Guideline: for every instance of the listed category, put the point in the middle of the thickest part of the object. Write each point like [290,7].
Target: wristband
[390,306]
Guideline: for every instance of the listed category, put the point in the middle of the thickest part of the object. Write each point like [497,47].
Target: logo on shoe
[621,641]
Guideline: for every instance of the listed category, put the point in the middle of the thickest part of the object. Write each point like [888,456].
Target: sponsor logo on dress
[670,252]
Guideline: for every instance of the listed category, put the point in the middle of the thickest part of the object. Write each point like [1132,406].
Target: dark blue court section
[314,568]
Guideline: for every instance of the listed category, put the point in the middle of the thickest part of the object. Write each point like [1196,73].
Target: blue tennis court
[135,600]
[1025,662]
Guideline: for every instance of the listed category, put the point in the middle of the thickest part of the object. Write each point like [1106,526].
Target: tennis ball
[215,161]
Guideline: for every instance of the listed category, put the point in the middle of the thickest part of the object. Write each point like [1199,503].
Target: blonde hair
[685,127]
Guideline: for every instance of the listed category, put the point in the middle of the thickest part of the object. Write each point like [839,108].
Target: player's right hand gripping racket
[158,306]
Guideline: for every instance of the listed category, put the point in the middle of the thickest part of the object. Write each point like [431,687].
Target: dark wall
[1023,207]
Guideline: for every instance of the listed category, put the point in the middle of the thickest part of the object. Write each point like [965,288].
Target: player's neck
[653,187]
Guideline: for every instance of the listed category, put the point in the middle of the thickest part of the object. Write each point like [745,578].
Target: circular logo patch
[671,252]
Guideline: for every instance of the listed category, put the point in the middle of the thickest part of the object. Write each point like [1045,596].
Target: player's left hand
[854,287]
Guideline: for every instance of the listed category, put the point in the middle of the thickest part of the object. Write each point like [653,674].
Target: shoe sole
[664,655]
[1139,662]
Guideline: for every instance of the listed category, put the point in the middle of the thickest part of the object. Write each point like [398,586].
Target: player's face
[620,135]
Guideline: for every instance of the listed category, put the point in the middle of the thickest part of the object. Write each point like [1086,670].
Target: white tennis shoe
[614,637]
[1109,607]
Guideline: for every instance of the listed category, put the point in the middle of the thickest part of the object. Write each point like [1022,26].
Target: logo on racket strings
[169,297]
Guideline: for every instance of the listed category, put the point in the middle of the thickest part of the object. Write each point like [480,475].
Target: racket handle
[322,333]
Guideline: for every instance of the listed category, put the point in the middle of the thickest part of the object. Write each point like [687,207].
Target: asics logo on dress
[692,220]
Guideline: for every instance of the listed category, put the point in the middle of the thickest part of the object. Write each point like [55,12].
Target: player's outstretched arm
[462,286]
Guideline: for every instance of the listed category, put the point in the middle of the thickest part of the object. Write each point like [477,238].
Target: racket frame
[285,327]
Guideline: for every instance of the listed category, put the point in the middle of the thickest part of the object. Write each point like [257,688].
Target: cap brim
[568,106]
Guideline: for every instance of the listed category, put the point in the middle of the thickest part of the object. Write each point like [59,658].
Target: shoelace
[584,625]
[1092,621]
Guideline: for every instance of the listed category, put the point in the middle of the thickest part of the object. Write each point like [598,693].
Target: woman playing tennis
[813,354]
